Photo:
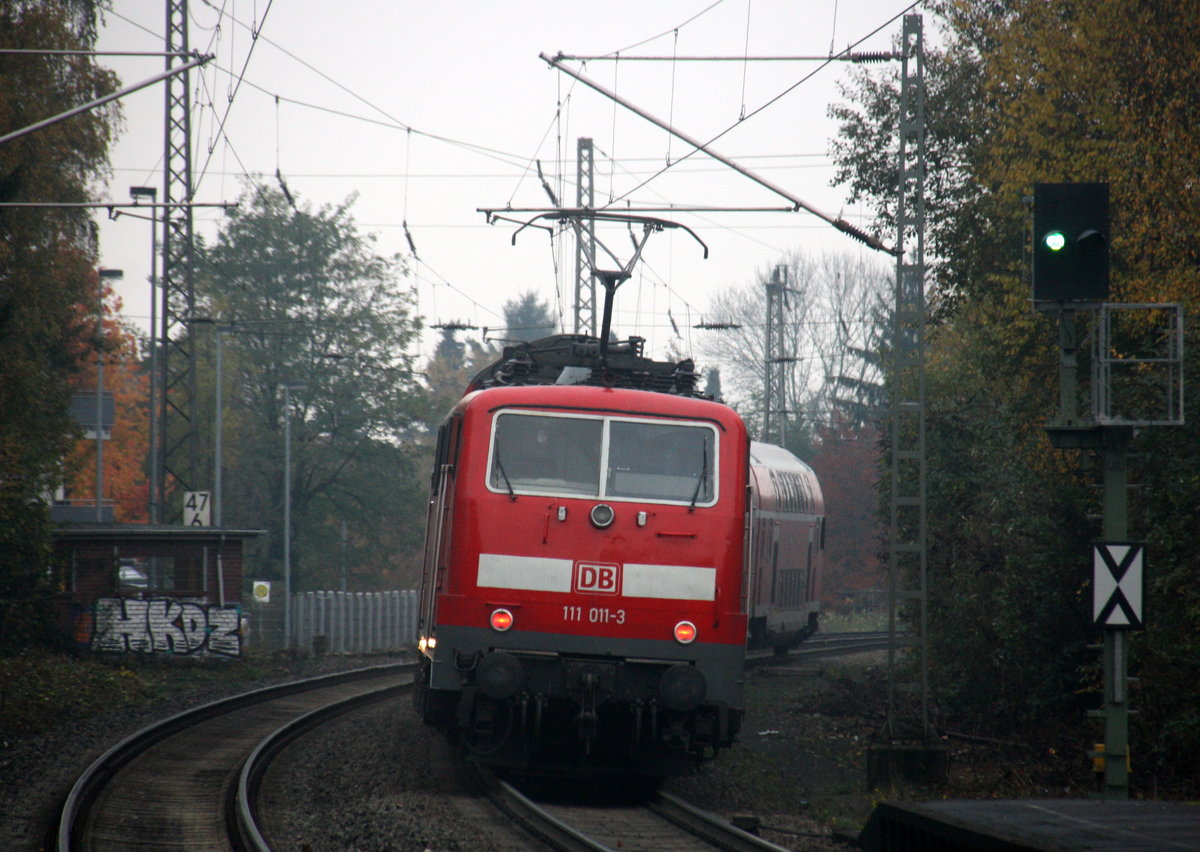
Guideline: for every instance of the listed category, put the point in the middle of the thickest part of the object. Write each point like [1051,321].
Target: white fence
[354,622]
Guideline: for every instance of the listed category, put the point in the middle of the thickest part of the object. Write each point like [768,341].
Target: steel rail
[242,809]
[528,815]
[830,645]
[88,786]
[709,827]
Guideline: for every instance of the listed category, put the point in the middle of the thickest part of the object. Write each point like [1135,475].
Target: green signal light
[1055,240]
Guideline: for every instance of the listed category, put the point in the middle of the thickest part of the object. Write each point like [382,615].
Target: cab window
[604,457]
[559,455]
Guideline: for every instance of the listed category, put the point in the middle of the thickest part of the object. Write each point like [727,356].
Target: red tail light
[502,619]
[685,632]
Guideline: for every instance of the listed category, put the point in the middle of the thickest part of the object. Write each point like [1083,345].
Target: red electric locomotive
[584,603]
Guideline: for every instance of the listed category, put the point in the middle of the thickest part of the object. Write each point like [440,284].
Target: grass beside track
[870,621]
[39,690]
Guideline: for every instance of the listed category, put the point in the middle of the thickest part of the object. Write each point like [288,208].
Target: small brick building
[141,588]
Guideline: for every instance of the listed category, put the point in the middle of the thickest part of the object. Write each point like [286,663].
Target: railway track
[178,784]
[655,822]
[827,645]
[190,781]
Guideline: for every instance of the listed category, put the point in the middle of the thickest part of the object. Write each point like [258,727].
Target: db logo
[597,578]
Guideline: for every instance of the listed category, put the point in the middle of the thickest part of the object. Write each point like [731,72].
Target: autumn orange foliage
[846,466]
[125,480]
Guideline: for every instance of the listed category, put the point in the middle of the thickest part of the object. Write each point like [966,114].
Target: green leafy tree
[47,272]
[449,372]
[1026,92]
[712,383]
[313,307]
[528,318]
[451,351]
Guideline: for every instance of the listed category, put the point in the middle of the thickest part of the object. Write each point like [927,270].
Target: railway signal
[1118,585]
[1070,242]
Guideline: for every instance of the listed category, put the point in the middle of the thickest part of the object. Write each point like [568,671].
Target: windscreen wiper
[703,477]
[512,495]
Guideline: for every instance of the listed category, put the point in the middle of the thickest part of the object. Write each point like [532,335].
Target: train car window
[804,491]
[558,455]
[660,461]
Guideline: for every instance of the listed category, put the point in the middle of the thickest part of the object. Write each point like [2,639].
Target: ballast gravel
[381,780]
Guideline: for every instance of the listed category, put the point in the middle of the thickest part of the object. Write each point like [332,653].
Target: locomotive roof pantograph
[611,279]
[576,359]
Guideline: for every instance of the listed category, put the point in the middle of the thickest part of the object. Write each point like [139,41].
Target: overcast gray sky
[329,91]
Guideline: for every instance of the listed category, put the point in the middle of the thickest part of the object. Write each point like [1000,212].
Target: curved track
[169,786]
[243,802]
[190,781]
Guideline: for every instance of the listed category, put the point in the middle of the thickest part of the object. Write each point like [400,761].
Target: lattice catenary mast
[179,447]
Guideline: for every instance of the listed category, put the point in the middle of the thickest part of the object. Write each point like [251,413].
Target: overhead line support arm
[17,134]
[799,204]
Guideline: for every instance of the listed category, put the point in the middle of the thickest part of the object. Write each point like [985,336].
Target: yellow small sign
[262,591]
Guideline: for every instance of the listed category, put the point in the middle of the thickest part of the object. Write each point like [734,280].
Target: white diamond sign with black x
[1118,584]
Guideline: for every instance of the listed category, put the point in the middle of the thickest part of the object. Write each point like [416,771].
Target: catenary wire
[771,101]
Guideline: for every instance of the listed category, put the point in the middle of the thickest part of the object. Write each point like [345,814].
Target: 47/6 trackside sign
[197,509]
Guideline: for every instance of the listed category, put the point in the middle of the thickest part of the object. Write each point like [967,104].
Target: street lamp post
[288,387]
[219,427]
[104,275]
[138,193]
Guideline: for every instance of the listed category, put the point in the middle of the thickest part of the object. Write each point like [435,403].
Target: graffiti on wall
[165,626]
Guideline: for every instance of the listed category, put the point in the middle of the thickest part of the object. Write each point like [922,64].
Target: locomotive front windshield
[604,457]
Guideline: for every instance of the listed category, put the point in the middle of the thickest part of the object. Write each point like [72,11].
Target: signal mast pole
[1137,382]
